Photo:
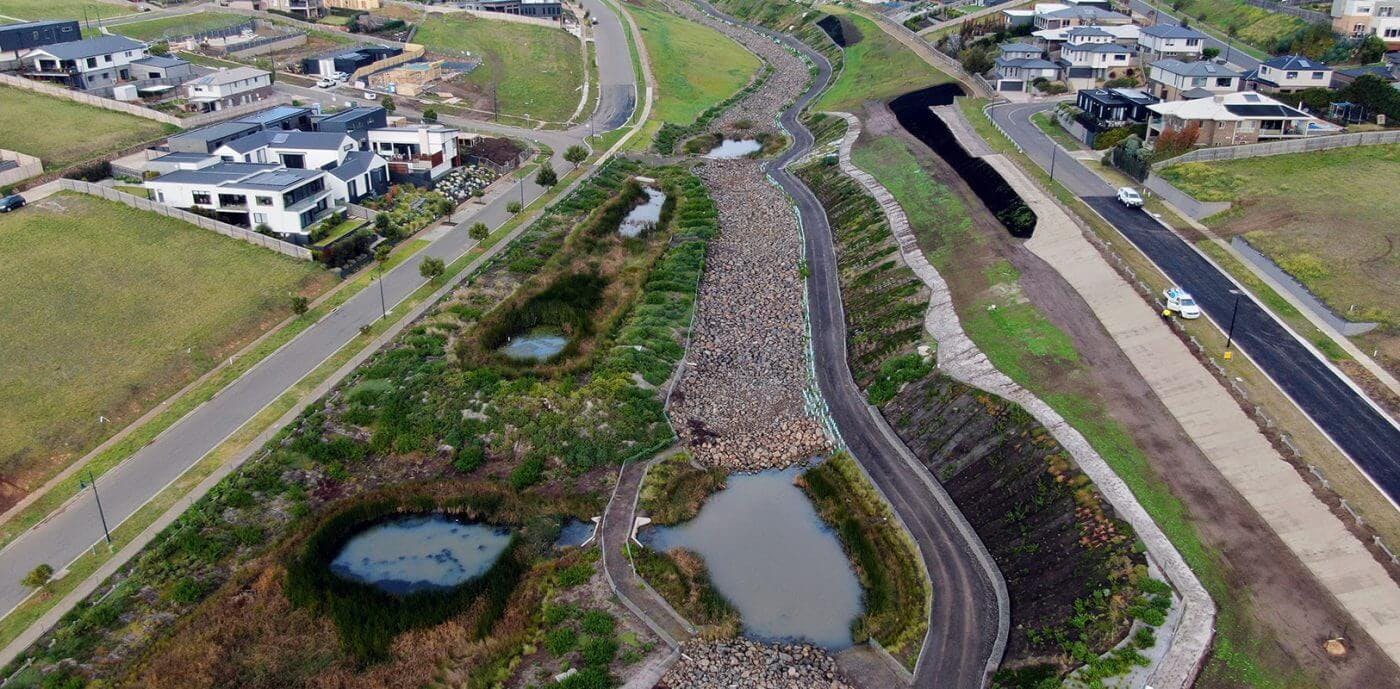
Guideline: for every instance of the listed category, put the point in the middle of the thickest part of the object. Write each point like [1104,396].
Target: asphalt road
[68,533]
[1234,54]
[963,626]
[1365,433]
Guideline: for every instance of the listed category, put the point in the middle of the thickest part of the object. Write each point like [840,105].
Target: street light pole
[1054,153]
[1230,332]
[100,514]
[383,310]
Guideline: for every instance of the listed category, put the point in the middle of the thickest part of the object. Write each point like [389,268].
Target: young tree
[546,177]
[432,268]
[429,115]
[1210,53]
[977,59]
[38,576]
[513,207]
[299,304]
[1369,49]
[576,154]
[478,231]
[161,49]
[388,104]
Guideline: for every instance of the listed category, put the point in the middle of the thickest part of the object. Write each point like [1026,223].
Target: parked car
[325,83]
[1181,302]
[13,202]
[369,96]
[1129,197]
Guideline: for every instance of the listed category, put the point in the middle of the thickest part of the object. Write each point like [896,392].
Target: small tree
[1369,49]
[161,49]
[381,255]
[1210,53]
[513,207]
[429,115]
[388,104]
[432,268]
[381,222]
[38,576]
[576,154]
[479,231]
[546,177]
[263,229]
[299,304]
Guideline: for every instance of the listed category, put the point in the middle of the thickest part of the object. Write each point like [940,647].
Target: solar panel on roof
[279,139]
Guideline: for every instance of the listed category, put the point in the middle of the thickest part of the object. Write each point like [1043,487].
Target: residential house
[417,155]
[1287,74]
[1389,73]
[546,9]
[360,174]
[354,174]
[206,140]
[1116,107]
[1019,65]
[301,9]
[161,67]
[354,121]
[227,88]
[1232,119]
[347,60]
[357,5]
[249,195]
[282,117]
[1123,34]
[1165,40]
[16,40]
[1172,79]
[1362,18]
[91,63]
[1091,56]
[1079,16]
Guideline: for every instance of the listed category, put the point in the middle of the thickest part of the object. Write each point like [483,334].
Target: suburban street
[1364,432]
[961,643]
[1236,56]
[74,529]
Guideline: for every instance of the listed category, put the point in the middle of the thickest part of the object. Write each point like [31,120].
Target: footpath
[1213,420]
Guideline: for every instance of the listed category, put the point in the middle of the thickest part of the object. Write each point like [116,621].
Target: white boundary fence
[29,166]
[141,111]
[211,224]
[1273,148]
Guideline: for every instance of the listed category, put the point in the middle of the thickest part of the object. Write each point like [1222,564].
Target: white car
[325,83]
[1182,303]
[1129,197]
[369,96]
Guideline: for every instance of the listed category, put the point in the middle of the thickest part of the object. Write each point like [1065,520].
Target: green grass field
[539,69]
[695,66]
[110,310]
[878,67]
[1328,218]
[176,27]
[71,132]
[61,9]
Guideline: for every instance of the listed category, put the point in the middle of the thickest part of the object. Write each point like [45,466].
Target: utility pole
[383,310]
[1230,332]
[100,514]
[1054,153]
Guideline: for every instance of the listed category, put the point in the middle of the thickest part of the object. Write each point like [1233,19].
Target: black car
[11,203]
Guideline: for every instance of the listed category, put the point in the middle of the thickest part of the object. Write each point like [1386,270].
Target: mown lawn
[877,68]
[70,132]
[109,310]
[182,25]
[539,69]
[695,66]
[61,9]
[1328,218]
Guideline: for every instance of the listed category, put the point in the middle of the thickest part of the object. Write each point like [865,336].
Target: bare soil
[1289,614]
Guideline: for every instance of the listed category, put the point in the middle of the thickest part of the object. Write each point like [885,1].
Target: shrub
[561,640]
[527,474]
[598,623]
[575,575]
[432,268]
[479,231]
[299,304]
[546,177]
[514,207]
[38,576]
[559,612]
[599,651]
[187,591]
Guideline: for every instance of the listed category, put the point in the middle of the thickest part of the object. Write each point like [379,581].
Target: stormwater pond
[773,557]
[645,216]
[536,345]
[415,553]
[735,148]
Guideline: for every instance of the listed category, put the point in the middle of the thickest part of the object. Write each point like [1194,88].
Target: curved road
[961,647]
[1365,433]
[75,528]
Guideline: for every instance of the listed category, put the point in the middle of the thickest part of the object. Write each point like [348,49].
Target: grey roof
[1294,62]
[1084,12]
[215,131]
[279,179]
[228,76]
[1171,31]
[348,114]
[273,114]
[1020,48]
[1098,48]
[1381,71]
[1026,63]
[1200,68]
[181,157]
[356,163]
[159,61]
[1191,94]
[92,47]
[292,138]
[215,175]
[23,26]
[1088,31]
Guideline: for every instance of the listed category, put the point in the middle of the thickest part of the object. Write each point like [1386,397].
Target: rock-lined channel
[742,663]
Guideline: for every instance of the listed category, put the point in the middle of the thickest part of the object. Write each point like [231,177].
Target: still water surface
[421,552]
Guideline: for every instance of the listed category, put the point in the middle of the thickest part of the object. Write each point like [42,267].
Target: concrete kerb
[960,358]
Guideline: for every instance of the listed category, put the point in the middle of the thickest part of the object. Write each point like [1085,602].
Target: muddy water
[643,217]
[419,553]
[735,148]
[771,555]
[535,346]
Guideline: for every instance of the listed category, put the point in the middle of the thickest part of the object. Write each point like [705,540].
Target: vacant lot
[62,132]
[696,66]
[878,67]
[176,27]
[532,69]
[110,309]
[1328,218]
[61,9]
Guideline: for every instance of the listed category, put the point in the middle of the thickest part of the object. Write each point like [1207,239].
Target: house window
[264,200]
[1292,75]
[259,219]
[1198,81]
[1317,75]
[92,62]
[1392,33]
[1120,57]
[202,198]
[1224,83]
[1191,42]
